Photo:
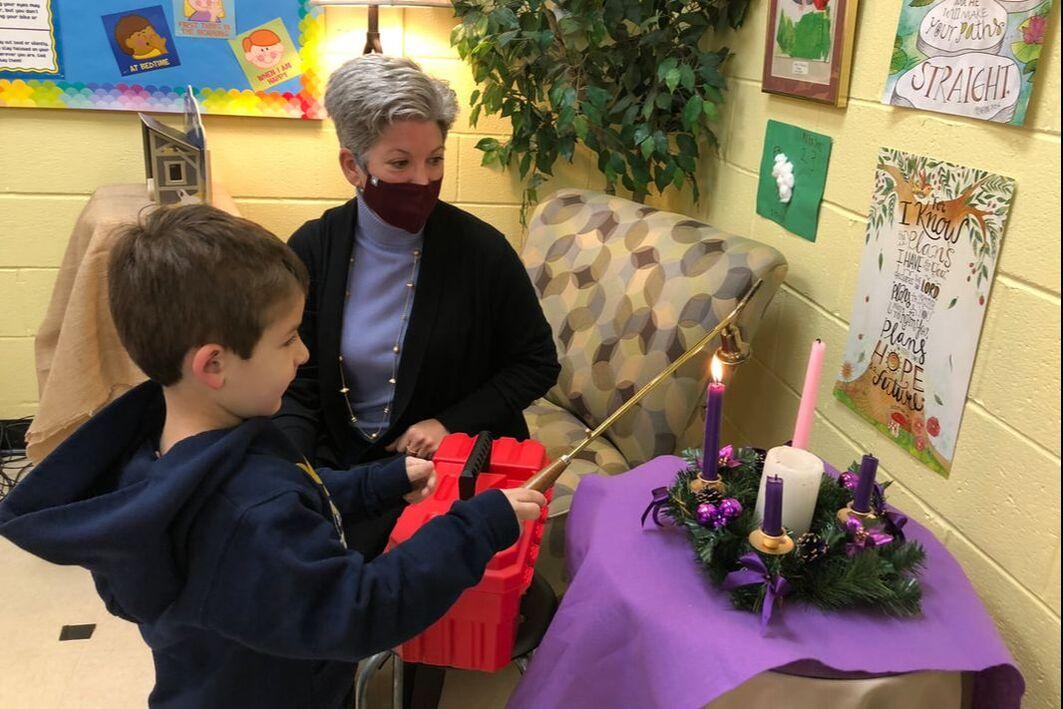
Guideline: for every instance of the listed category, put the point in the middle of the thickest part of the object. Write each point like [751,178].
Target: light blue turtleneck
[376,315]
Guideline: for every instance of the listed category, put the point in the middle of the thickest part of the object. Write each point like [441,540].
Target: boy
[195,515]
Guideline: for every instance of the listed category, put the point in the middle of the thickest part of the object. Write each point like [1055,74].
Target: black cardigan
[477,350]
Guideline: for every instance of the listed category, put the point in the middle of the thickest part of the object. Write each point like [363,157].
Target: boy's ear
[351,169]
[208,365]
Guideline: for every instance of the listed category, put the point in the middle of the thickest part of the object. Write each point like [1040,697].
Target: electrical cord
[13,460]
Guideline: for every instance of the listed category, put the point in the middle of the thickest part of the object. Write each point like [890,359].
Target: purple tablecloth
[642,626]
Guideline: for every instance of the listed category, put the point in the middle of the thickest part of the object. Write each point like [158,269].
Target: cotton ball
[783,172]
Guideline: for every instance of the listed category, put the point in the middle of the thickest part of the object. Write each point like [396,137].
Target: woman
[420,320]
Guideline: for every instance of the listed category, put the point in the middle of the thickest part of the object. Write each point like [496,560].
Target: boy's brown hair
[188,276]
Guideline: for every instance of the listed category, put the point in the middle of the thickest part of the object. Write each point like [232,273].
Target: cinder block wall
[1008,541]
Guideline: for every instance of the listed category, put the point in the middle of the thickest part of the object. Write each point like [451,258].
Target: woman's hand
[422,475]
[421,439]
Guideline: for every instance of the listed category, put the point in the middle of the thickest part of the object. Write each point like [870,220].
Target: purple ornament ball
[705,513]
[730,508]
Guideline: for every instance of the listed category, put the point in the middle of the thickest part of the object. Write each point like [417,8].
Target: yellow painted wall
[1009,543]
[284,172]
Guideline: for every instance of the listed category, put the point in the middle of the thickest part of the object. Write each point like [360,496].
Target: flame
[717,369]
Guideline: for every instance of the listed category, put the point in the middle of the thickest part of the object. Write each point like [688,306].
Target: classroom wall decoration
[241,57]
[933,237]
[809,48]
[28,40]
[974,58]
[793,171]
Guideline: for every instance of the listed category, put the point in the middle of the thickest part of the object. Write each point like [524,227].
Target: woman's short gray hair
[367,94]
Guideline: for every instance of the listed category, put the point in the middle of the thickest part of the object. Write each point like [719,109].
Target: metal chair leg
[521,662]
[396,681]
[366,669]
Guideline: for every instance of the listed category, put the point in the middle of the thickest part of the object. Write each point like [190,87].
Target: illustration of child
[138,38]
[204,10]
[263,48]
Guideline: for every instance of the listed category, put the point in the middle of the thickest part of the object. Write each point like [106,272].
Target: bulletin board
[241,57]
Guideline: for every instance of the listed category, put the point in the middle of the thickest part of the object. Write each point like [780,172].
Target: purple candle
[865,483]
[713,419]
[772,524]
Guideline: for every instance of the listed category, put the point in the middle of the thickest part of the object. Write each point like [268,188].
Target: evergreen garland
[820,571]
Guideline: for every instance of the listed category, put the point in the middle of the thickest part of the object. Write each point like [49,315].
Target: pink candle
[807,411]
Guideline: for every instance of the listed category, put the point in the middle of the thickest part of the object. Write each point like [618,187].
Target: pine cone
[708,496]
[810,547]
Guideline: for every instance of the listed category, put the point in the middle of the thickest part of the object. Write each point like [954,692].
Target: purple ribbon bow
[863,538]
[895,520]
[755,572]
[656,507]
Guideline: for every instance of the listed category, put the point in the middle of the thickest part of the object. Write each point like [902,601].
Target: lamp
[733,350]
[372,35]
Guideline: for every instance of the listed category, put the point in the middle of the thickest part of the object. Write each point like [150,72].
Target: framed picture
[809,48]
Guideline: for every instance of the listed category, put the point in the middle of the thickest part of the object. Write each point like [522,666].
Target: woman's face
[407,151]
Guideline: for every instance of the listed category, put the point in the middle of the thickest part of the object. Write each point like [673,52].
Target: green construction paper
[809,152]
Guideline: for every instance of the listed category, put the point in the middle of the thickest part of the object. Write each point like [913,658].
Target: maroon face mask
[405,205]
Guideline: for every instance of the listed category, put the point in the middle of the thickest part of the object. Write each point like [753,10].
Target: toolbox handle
[476,463]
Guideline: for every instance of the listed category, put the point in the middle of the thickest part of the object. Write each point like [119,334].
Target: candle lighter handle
[545,478]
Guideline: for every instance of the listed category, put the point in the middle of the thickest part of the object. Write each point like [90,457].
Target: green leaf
[666,66]
[692,112]
[647,146]
[951,303]
[598,96]
[1025,53]
[671,79]
[711,111]
[488,144]
[579,125]
[899,61]
[686,77]
[921,3]
[686,144]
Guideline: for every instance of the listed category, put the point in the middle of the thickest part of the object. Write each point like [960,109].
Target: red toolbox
[478,632]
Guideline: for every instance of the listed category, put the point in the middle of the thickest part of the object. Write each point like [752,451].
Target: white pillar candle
[802,473]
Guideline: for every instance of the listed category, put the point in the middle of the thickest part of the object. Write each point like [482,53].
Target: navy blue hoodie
[226,555]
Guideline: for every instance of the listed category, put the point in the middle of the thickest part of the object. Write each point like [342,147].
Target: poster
[974,58]
[28,42]
[796,210]
[267,55]
[93,75]
[140,40]
[933,237]
[209,19]
[808,49]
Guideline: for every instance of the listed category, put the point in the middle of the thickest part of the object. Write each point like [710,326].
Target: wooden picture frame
[808,49]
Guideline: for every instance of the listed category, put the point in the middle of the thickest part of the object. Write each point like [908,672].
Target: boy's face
[265,57]
[253,387]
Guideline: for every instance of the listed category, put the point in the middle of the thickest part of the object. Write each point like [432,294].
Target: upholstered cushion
[559,431]
[627,289]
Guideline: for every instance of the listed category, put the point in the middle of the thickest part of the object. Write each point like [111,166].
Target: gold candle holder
[700,483]
[768,544]
[866,518]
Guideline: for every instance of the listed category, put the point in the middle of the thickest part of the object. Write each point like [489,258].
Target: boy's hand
[527,504]
[422,475]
